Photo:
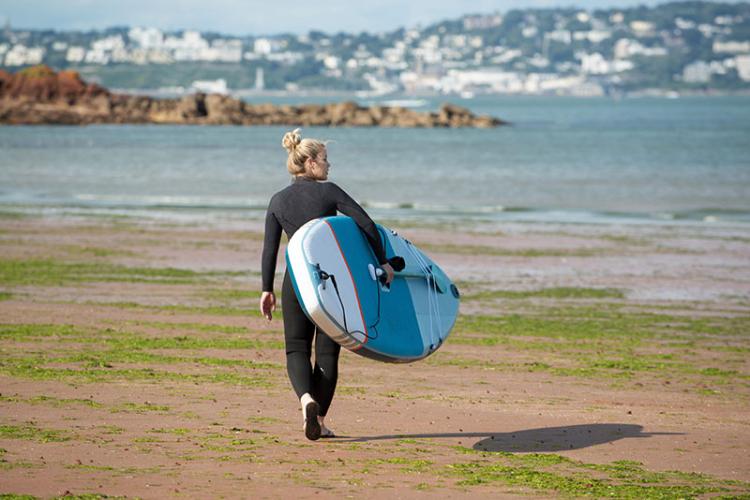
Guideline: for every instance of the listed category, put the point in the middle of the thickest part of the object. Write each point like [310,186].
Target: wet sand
[587,360]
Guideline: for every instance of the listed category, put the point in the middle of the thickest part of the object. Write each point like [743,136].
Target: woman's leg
[298,336]
[326,371]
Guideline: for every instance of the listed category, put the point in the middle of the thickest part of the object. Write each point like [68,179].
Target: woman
[307,198]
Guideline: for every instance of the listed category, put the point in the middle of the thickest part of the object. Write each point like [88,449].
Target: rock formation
[39,95]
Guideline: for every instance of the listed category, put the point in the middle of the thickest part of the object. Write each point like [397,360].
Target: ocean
[633,160]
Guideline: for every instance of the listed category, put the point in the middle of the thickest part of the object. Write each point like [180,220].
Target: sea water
[561,159]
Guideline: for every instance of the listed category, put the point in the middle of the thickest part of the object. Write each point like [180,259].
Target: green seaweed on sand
[515,252]
[230,294]
[119,471]
[36,368]
[548,293]
[177,431]
[608,340]
[13,215]
[21,332]
[124,341]
[54,272]
[412,465]
[107,358]
[555,473]
[605,322]
[89,251]
[31,432]
[188,309]
[196,327]
[51,401]
[20,464]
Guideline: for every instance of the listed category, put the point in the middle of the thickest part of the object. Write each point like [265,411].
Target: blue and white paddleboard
[337,280]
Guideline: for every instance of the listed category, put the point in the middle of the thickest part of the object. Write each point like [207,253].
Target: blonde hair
[300,150]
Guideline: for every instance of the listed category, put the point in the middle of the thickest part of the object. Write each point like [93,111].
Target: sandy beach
[588,360]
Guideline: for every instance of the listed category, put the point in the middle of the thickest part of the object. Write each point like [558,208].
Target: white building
[191,46]
[190,40]
[414,82]
[593,36]
[265,46]
[20,55]
[395,57]
[536,83]
[596,64]
[331,62]
[505,55]
[457,81]
[562,36]
[455,41]
[742,63]
[75,54]
[108,44]
[210,86]
[642,28]
[697,72]
[726,20]
[684,24]
[428,54]
[626,48]
[287,57]
[143,56]
[538,61]
[229,51]
[146,38]
[709,30]
[731,47]
[123,55]
[482,22]
[97,57]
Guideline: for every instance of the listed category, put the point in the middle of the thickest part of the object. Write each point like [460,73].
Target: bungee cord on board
[433,300]
[373,327]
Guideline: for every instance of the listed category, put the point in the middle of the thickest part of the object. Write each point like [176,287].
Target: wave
[171,201]
[386,209]
[553,214]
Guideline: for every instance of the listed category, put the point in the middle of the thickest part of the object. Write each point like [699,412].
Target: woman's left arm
[271,243]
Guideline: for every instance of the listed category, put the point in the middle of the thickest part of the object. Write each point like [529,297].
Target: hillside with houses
[680,46]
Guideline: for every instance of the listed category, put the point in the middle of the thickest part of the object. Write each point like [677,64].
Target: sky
[258,17]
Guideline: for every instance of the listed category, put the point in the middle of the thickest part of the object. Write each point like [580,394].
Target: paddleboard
[337,280]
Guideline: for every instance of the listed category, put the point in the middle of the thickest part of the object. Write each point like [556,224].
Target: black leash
[326,276]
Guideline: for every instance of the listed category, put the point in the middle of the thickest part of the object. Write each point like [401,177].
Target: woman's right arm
[346,205]
[271,242]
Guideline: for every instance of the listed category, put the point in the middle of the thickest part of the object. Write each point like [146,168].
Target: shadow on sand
[570,437]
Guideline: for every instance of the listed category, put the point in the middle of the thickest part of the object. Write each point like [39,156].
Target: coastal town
[671,47]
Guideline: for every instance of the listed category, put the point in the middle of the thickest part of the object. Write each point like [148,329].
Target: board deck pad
[332,268]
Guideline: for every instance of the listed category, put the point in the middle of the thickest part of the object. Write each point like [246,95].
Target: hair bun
[291,140]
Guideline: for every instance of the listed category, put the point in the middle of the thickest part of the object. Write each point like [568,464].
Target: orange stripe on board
[359,304]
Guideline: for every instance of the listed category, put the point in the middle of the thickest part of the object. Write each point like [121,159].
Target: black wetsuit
[303,200]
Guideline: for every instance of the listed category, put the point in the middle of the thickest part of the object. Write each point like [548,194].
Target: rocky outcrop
[39,95]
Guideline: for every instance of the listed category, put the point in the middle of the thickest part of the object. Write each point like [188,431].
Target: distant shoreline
[313,93]
[41,96]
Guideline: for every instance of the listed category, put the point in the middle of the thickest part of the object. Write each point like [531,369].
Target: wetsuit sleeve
[270,250]
[347,206]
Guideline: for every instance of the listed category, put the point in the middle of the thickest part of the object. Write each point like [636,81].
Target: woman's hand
[267,304]
[388,272]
